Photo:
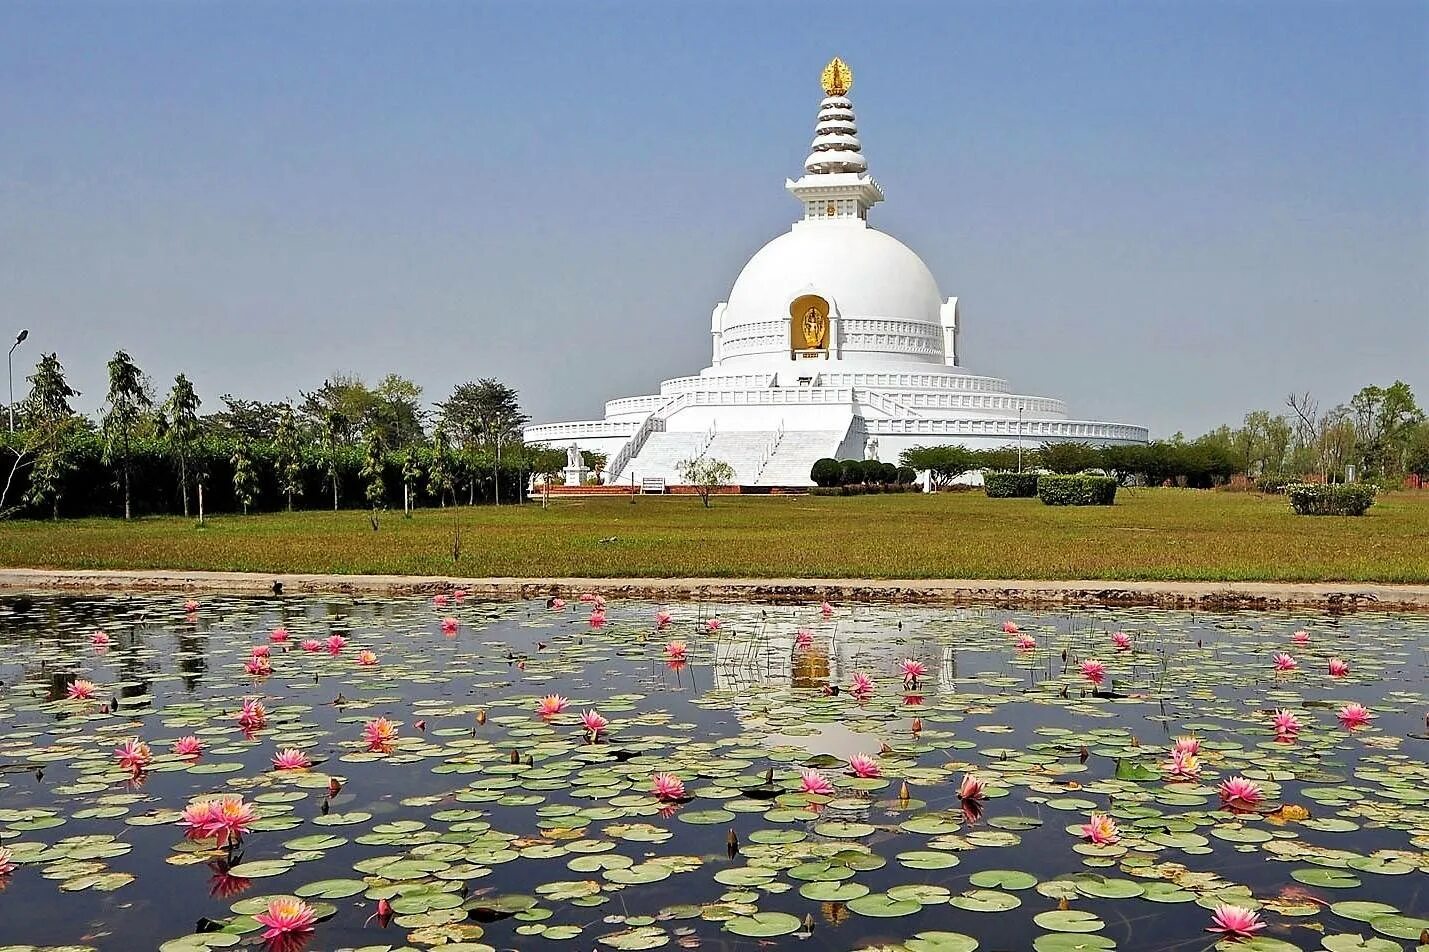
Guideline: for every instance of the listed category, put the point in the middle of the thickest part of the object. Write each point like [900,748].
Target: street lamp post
[1019,437]
[10,371]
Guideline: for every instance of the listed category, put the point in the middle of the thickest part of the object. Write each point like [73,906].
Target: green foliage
[826,472]
[1273,485]
[905,475]
[482,413]
[127,402]
[290,455]
[851,472]
[245,483]
[439,467]
[945,463]
[1081,489]
[1330,499]
[1010,485]
[1069,457]
[374,486]
[706,475]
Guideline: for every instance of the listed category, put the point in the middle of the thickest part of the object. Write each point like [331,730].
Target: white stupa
[835,341]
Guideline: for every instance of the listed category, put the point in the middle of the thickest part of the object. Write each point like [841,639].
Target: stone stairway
[795,456]
[746,451]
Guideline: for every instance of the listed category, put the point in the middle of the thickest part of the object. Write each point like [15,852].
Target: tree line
[1381,433]
[345,444]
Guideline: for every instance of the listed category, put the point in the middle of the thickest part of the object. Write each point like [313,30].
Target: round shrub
[851,472]
[1082,489]
[825,472]
[1332,499]
[1002,485]
[906,475]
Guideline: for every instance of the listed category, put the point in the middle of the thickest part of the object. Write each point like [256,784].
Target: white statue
[573,457]
[870,448]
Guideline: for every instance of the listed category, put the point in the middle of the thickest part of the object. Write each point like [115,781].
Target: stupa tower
[836,184]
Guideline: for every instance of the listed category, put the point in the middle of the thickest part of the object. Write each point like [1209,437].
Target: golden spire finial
[837,78]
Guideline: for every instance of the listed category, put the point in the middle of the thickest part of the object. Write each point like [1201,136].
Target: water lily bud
[481,716]
[515,757]
[808,922]
[903,791]
[732,842]
[1084,754]
[420,725]
[333,786]
[917,725]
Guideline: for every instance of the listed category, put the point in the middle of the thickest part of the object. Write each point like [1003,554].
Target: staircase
[748,452]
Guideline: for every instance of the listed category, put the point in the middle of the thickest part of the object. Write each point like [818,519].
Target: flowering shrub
[1330,499]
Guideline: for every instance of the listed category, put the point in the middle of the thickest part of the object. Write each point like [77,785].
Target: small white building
[835,341]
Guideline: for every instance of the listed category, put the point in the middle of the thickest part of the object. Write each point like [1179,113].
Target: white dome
[865,272]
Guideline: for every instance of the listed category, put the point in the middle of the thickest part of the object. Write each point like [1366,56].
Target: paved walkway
[1319,596]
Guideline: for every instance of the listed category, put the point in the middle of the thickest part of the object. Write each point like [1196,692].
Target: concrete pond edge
[1011,593]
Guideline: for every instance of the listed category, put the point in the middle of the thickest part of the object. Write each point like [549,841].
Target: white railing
[590,429]
[891,407]
[1028,430]
[769,451]
[654,423]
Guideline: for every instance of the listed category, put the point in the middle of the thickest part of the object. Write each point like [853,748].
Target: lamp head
[20,337]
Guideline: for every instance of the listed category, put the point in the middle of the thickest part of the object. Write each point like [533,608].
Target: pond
[734,789]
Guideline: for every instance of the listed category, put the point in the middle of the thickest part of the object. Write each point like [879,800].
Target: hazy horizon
[1161,214]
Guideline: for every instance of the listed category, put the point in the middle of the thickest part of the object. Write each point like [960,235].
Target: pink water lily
[450,624]
[812,781]
[1301,637]
[713,624]
[134,755]
[82,690]
[1010,627]
[826,609]
[600,602]
[1094,671]
[291,758]
[187,746]
[803,639]
[1189,744]
[226,818]
[7,862]
[594,723]
[252,714]
[1026,643]
[862,765]
[597,618]
[860,684]
[278,634]
[335,643]
[311,644]
[366,658]
[556,604]
[912,670]
[1182,765]
[286,916]
[191,606]
[675,651]
[1286,724]
[663,618]
[379,734]
[1338,667]
[1235,922]
[260,651]
[258,665]
[1121,641]
[1100,829]
[667,787]
[1355,715]
[440,599]
[1238,793]
[971,788]
[459,594]
[99,639]
[1284,662]
[551,705]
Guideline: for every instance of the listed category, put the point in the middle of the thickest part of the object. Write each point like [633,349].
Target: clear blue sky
[1164,213]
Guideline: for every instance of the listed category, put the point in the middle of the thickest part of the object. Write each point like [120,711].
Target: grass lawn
[1148,534]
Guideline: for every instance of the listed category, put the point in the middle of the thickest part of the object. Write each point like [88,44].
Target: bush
[851,472]
[825,472]
[887,473]
[1082,489]
[906,475]
[1334,499]
[1274,485]
[1010,485]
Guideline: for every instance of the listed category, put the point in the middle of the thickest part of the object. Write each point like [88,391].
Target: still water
[486,826]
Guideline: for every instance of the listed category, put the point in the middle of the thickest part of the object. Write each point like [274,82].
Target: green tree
[411,476]
[439,473]
[481,413]
[288,442]
[127,402]
[943,464]
[49,422]
[181,428]
[334,425]
[245,482]
[398,411]
[706,475]
[372,468]
[1384,419]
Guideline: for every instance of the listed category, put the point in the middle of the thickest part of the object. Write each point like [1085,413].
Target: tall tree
[372,468]
[49,421]
[181,428]
[127,402]
[439,474]
[411,476]
[245,482]
[289,445]
[334,425]
[399,411]
[481,413]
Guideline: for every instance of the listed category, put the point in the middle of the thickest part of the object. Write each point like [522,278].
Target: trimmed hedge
[831,473]
[1082,489]
[826,472]
[1002,485]
[1273,485]
[1330,499]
